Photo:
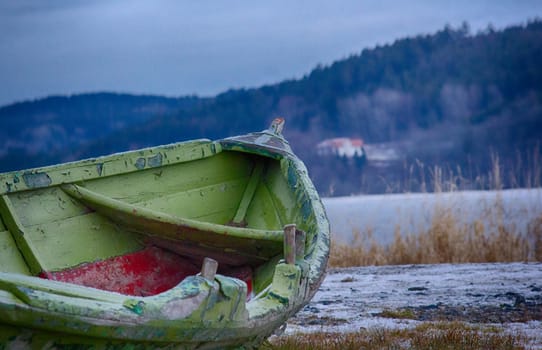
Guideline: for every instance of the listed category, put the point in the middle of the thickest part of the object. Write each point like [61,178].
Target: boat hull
[54,289]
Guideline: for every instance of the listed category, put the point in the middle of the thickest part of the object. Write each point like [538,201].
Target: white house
[341,146]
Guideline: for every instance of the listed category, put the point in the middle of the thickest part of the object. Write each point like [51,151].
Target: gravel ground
[504,295]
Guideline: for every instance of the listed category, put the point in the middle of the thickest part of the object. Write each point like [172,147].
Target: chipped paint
[140,163]
[178,308]
[155,161]
[134,305]
[34,180]
[99,168]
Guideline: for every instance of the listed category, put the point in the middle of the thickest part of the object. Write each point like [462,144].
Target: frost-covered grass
[441,306]
[428,335]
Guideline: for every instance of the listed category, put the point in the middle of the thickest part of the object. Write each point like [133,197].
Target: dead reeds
[522,170]
[428,335]
[446,241]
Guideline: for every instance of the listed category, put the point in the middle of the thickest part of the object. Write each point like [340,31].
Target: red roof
[341,142]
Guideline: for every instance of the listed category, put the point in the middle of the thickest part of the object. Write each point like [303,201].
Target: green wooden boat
[201,244]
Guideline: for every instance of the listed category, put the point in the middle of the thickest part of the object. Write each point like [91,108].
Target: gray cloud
[205,47]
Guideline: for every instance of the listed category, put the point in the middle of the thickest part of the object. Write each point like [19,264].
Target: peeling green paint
[292,176]
[99,168]
[280,298]
[134,305]
[140,163]
[306,209]
[155,161]
[33,180]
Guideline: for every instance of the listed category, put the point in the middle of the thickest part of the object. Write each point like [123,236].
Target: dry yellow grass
[446,241]
[429,335]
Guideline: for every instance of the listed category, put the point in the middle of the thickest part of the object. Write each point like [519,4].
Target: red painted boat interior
[147,272]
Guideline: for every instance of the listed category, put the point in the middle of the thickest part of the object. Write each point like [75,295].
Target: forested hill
[453,96]
[56,128]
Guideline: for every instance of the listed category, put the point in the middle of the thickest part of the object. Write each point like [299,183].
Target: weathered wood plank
[45,205]
[281,195]
[250,189]
[215,203]
[24,244]
[11,259]
[152,183]
[262,213]
[79,239]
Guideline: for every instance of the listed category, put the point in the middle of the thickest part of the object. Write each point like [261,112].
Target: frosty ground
[502,295]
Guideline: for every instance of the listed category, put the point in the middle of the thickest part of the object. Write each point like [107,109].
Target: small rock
[312,309]
[416,289]
[519,299]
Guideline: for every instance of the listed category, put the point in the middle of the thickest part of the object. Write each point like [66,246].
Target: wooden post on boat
[208,268]
[289,244]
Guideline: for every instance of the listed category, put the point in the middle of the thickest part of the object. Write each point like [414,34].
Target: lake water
[412,213]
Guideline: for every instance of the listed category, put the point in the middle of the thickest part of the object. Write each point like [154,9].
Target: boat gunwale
[93,168]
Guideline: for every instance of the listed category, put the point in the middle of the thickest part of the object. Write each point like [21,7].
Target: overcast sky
[175,48]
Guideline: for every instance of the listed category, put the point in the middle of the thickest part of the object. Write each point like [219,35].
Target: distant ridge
[448,98]
[54,128]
